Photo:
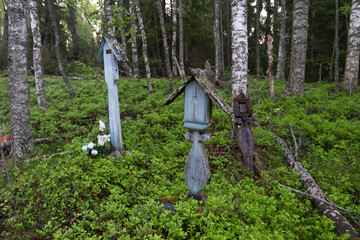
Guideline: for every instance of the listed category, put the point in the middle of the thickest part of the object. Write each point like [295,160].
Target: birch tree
[52,14]
[351,74]
[280,71]
[173,43]
[133,41]
[5,35]
[296,80]
[123,37]
[18,82]
[37,58]
[145,54]
[239,47]
[217,41]
[166,46]
[181,37]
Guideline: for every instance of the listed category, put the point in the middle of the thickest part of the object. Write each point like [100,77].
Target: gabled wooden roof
[199,76]
[115,47]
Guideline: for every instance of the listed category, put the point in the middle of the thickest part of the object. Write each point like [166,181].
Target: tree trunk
[181,37]
[166,46]
[280,72]
[271,77]
[257,37]
[173,44]
[351,74]
[296,80]
[123,38]
[57,47]
[37,58]
[18,83]
[73,27]
[239,47]
[228,34]
[133,42]
[143,35]
[336,43]
[5,35]
[217,41]
[222,57]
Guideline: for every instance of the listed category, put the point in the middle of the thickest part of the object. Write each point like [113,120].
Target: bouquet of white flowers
[95,149]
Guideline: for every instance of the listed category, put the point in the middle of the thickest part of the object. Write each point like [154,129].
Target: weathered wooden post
[110,53]
[197,115]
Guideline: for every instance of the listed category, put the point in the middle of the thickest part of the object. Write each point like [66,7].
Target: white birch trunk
[57,47]
[280,71]
[298,47]
[173,45]
[18,83]
[123,38]
[166,46]
[351,75]
[239,47]
[271,77]
[143,36]
[37,58]
[133,42]
[217,41]
[181,37]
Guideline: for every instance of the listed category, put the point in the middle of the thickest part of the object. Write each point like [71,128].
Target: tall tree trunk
[57,47]
[181,37]
[280,72]
[73,27]
[166,46]
[133,42]
[270,72]
[239,47]
[217,41]
[296,80]
[257,37]
[173,44]
[351,74]
[145,54]
[123,37]
[5,35]
[18,84]
[336,45]
[37,58]
[228,34]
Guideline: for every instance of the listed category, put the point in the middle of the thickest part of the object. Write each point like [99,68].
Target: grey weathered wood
[115,47]
[200,76]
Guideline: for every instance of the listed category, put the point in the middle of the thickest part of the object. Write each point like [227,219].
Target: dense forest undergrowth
[80,196]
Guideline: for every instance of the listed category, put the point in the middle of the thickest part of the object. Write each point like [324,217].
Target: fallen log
[74,78]
[342,226]
[49,155]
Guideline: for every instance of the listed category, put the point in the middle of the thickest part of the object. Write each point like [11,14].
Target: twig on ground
[49,155]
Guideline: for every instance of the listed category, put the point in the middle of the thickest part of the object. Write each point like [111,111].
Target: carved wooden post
[197,115]
[110,53]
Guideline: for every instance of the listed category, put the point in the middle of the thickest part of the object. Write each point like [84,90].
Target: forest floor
[78,196]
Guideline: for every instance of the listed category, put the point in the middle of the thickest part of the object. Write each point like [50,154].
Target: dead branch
[296,153]
[342,226]
[49,155]
[48,139]
[317,198]
[74,78]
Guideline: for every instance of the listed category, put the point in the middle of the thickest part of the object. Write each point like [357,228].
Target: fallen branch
[4,75]
[75,78]
[48,139]
[342,226]
[49,155]
[317,198]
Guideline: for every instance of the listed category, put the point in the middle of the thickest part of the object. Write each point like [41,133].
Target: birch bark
[173,44]
[239,47]
[296,80]
[181,37]
[351,74]
[166,46]
[280,71]
[145,54]
[57,47]
[133,41]
[217,41]
[123,38]
[37,58]
[18,84]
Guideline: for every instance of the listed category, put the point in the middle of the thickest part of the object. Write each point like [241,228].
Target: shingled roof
[115,47]
[199,76]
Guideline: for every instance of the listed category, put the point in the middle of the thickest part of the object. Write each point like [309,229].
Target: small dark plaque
[108,51]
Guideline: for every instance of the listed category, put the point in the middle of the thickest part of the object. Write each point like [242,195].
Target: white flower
[91,145]
[278,109]
[102,126]
[102,139]
[84,148]
[94,152]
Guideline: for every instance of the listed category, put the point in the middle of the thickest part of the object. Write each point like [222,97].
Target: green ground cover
[79,196]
